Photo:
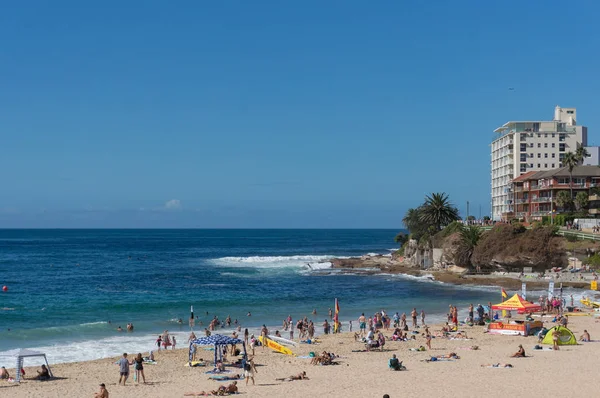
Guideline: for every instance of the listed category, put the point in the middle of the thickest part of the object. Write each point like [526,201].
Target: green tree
[570,161]
[401,238]
[438,211]
[411,219]
[581,153]
[563,199]
[581,200]
[469,237]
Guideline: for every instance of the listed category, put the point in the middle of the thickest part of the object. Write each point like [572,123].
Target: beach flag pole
[504,297]
[336,317]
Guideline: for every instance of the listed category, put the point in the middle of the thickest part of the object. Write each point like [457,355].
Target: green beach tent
[566,337]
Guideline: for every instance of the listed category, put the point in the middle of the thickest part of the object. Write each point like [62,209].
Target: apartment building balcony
[540,213]
[521,201]
[592,198]
[594,211]
[522,214]
[542,199]
[518,189]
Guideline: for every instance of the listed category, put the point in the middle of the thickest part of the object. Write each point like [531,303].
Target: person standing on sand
[362,324]
[330,314]
[326,327]
[103,393]
[249,370]
[428,341]
[173,342]
[555,336]
[422,317]
[471,317]
[413,314]
[139,368]
[124,368]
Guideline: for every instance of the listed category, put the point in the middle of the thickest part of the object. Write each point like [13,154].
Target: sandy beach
[359,374]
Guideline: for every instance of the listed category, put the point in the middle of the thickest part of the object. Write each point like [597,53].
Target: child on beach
[173,342]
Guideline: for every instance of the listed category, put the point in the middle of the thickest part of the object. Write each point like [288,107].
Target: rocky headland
[506,255]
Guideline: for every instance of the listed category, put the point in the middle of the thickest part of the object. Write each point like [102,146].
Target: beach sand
[568,372]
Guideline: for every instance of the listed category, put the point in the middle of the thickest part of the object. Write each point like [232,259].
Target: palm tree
[571,161]
[563,200]
[469,237]
[437,211]
[411,219]
[581,153]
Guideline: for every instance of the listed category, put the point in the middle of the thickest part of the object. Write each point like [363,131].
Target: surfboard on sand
[283,341]
[275,346]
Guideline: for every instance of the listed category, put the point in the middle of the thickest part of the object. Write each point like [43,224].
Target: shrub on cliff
[514,247]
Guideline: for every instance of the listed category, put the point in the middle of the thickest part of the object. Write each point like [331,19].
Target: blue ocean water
[70,289]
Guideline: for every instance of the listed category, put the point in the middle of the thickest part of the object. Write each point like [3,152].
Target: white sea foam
[315,261]
[90,349]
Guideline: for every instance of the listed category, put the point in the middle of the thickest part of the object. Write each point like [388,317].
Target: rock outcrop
[508,247]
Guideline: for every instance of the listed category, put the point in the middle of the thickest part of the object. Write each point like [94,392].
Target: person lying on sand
[221,391]
[585,336]
[520,353]
[452,355]
[497,365]
[299,376]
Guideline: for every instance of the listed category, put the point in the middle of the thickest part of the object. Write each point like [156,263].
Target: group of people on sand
[42,374]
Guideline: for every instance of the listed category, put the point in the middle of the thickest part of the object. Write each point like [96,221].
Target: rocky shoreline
[380,264]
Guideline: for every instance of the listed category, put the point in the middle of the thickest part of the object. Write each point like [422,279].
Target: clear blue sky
[270,113]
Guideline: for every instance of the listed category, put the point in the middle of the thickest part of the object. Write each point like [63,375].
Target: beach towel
[194,364]
[216,371]
[498,367]
[224,377]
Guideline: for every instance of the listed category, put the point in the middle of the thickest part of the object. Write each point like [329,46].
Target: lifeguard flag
[336,317]
[504,297]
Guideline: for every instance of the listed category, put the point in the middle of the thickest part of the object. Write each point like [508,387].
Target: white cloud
[173,204]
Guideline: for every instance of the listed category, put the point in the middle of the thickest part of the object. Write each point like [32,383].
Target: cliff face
[512,247]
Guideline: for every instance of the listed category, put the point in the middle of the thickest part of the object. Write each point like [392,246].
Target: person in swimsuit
[139,368]
[555,335]
[4,373]
[103,392]
[299,376]
[520,353]
[362,324]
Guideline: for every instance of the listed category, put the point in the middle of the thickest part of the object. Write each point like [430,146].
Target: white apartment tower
[521,147]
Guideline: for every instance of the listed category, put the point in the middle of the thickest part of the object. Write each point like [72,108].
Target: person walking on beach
[326,327]
[124,368]
[249,370]
[159,342]
[139,368]
[413,314]
[422,317]
[428,341]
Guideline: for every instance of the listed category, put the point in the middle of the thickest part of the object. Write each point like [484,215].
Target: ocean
[68,290]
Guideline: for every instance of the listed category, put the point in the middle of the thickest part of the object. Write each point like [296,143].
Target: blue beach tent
[218,341]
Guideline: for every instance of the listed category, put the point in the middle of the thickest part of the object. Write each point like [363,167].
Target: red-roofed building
[534,193]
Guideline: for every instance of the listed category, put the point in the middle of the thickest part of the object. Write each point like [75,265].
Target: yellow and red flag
[336,317]
[504,297]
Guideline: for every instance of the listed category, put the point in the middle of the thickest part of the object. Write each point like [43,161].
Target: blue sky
[273,114]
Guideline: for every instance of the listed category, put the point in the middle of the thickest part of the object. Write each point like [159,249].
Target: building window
[570,112]
[539,166]
[553,155]
[561,147]
[553,135]
[523,147]
[531,165]
[539,145]
[552,165]
[553,145]
[546,135]
[539,135]
[545,165]
[545,155]
[531,155]
[539,155]
[561,137]
[523,137]
[523,157]
[545,145]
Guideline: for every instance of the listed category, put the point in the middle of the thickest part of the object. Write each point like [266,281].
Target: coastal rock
[508,247]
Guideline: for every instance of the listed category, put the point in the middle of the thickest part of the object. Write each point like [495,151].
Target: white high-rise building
[521,147]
